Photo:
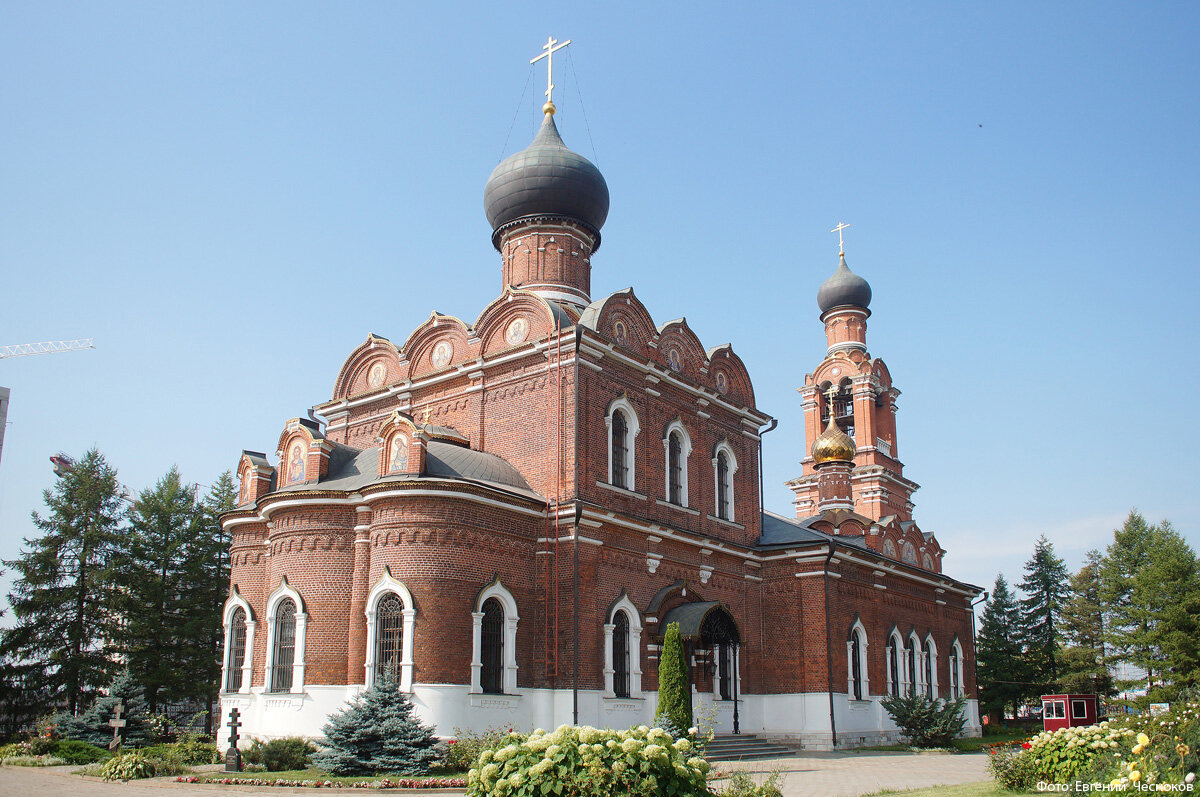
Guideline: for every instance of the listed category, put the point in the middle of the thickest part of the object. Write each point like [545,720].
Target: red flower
[1026,745]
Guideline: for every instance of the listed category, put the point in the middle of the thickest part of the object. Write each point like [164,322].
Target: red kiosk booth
[1068,711]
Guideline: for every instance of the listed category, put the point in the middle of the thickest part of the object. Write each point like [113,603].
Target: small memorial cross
[233,756]
[117,724]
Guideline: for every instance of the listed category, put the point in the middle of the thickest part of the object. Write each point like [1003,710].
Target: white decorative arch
[509,603]
[387,585]
[914,681]
[895,647]
[635,648]
[956,669]
[284,590]
[723,447]
[864,678]
[235,602]
[633,429]
[933,665]
[685,450]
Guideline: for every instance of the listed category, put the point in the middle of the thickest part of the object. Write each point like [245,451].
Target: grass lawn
[312,773]
[984,788]
[967,745]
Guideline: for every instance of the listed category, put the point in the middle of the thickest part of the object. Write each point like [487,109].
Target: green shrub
[190,750]
[15,748]
[74,751]
[290,752]
[1165,751]
[254,753]
[674,692]
[377,732]
[926,723]
[1061,756]
[584,761]
[1012,767]
[33,761]
[741,785]
[464,749]
[129,766]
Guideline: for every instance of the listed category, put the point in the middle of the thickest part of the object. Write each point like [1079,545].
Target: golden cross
[831,394]
[551,47]
[841,242]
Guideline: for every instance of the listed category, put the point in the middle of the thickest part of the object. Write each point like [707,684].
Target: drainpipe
[974,658]
[829,649]
[761,491]
[575,552]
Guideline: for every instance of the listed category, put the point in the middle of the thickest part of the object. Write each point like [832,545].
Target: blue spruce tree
[377,732]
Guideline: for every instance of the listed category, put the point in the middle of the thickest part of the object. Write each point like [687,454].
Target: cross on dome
[841,241]
[551,47]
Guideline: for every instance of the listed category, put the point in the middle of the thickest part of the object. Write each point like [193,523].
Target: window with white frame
[894,670]
[622,651]
[724,466]
[286,630]
[494,641]
[678,447]
[856,662]
[390,619]
[956,672]
[929,665]
[912,667]
[622,423]
[239,644]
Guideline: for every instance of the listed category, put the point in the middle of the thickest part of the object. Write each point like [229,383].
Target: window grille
[492,647]
[894,668]
[237,651]
[723,486]
[955,687]
[620,642]
[856,665]
[675,468]
[725,683]
[389,637]
[285,646]
[620,450]
[928,671]
[912,668]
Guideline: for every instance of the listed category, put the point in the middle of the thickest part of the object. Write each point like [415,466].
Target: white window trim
[896,643]
[933,664]
[236,601]
[733,466]
[957,663]
[916,680]
[285,591]
[390,586]
[685,450]
[635,649]
[509,676]
[633,429]
[862,661]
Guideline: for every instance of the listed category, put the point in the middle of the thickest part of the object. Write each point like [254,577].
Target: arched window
[494,641]
[389,637]
[856,651]
[620,450]
[724,466]
[842,406]
[893,654]
[491,676]
[956,673]
[620,642]
[236,659]
[622,650]
[911,666]
[675,468]
[927,655]
[283,657]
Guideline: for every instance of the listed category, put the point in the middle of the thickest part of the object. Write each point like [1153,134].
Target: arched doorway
[710,635]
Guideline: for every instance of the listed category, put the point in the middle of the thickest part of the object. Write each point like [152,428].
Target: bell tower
[851,392]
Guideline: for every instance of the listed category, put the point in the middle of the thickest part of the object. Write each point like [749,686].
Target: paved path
[810,775]
[852,774]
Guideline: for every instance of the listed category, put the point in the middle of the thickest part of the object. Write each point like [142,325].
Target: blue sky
[228,197]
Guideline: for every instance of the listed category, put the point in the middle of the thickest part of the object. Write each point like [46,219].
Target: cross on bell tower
[551,47]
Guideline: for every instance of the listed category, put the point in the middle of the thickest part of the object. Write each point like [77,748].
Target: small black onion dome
[546,179]
[843,288]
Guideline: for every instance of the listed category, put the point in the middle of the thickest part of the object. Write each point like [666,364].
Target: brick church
[504,516]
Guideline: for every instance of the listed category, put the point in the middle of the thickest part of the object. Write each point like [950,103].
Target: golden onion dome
[833,445]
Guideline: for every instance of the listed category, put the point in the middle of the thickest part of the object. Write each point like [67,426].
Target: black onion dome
[843,288]
[546,179]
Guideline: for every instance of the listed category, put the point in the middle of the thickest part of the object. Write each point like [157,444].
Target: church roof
[779,531]
[352,469]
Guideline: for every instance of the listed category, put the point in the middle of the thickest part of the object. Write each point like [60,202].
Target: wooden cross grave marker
[117,724]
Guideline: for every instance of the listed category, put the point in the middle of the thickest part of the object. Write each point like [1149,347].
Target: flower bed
[381,783]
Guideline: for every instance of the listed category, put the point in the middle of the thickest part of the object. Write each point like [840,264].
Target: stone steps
[743,747]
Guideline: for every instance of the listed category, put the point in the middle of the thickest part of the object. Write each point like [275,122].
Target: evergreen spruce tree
[377,733]
[62,597]
[163,522]
[674,693]
[1000,662]
[1083,666]
[1170,586]
[1046,587]
[1128,619]
[92,725]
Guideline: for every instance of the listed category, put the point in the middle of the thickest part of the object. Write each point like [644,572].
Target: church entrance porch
[712,644]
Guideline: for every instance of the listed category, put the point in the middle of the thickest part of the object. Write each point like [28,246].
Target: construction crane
[49,347]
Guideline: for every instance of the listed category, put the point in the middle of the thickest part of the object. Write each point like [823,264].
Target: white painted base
[798,719]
